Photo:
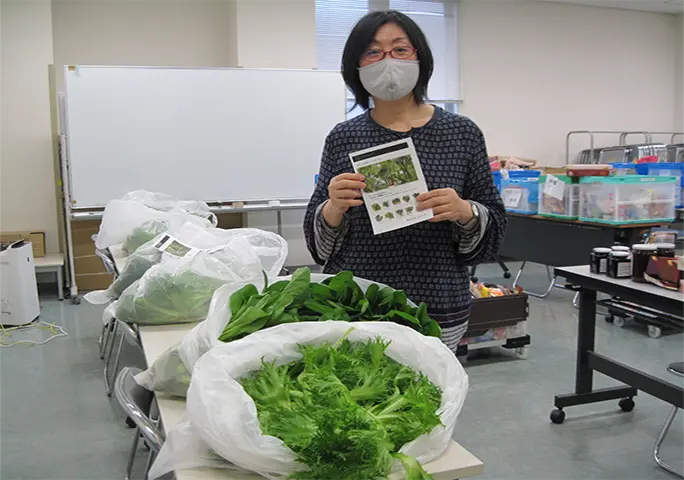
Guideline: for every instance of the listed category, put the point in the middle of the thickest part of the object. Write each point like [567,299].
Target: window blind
[437,19]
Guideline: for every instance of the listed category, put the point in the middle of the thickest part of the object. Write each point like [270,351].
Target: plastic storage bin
[559,198]
[497,180]
[667,170]
[520,191]
[627,199]
[621,169]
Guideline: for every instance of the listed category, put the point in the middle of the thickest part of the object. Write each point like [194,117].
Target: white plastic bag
[220,414]
[179,290]
[122,216]
[170,373]
[271,250]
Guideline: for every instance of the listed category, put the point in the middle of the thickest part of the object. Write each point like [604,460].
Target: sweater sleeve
[478,246]
[472,233]
[321,239]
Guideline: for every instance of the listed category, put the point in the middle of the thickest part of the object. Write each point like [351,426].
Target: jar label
[624,269]
[603,265]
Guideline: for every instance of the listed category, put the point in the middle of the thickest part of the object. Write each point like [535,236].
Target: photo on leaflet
[389,173]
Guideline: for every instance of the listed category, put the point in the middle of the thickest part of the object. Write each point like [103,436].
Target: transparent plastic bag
[171,371]
[221,416]
[179,290]
[166,203]
[122,216]
[271,250]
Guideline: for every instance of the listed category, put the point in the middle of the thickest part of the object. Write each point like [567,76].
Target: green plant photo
[389,173]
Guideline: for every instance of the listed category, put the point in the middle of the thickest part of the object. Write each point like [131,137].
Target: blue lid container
[497,180]
[626,169]
[524,173]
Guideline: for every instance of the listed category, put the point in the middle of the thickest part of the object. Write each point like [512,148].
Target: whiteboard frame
[258,204]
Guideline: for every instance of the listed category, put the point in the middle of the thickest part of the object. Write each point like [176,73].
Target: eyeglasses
[400,53]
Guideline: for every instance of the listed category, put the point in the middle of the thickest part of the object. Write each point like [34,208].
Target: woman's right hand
[345,192]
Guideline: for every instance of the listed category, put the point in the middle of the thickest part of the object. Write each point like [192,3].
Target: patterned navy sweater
[425,259]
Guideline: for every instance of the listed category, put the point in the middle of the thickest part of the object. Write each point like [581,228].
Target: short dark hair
[363,34]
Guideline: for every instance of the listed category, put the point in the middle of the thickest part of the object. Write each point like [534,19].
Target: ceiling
[660,6]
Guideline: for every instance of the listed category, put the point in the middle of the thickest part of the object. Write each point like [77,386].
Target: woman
[387,57]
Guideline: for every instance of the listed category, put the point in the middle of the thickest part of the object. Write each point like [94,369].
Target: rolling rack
[497,322]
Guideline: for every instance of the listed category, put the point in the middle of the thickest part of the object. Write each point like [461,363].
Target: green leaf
[240,298]
[252,320]
[431,328]
[321,292]
[413,470]
[299,284]
[277,287]
[372,294]
[340,281]
[399,299]
[409,320]
[318,307]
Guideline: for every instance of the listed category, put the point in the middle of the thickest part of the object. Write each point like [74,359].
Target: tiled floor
[56,422]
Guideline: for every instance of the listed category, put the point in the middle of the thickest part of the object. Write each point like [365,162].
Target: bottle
[598,262]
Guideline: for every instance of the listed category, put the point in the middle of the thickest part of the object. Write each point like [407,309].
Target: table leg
[60,283]
[584,374]
[586,332]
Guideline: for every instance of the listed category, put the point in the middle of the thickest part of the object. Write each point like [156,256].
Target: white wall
[533,71]
[278,34]
[26,165]
[679,75]
[191,33]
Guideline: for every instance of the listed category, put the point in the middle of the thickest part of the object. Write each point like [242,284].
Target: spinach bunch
[345,410]
[168,297]
[337,298]
[142,234]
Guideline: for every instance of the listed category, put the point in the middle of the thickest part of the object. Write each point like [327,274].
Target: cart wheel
[130,423]
[557,416]
[654,332]
[609,318]
[626,404]
[521,352]
[507,275]
[619,322]
[76,300]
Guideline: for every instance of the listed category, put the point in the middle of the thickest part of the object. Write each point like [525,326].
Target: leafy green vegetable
[337,298]
[345,410]
[135,268]
[143,234]
[180,297]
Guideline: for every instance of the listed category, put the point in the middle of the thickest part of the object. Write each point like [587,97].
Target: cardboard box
[88,264]
[94,281]
[229,220]
[37,240]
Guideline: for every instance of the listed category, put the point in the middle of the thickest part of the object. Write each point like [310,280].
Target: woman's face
[389,38]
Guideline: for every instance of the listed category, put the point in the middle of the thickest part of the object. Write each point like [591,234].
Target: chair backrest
[106,260]
[136,402]
[677,368]
[130,330]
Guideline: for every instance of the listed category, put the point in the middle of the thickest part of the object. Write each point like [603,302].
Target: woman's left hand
[446,205]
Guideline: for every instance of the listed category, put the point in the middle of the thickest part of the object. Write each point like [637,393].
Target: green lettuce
[345,410]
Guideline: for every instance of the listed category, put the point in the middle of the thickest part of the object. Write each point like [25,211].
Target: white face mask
[390,79]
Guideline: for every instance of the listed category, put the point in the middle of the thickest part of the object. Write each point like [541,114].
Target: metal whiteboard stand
[67,211]
[71,214]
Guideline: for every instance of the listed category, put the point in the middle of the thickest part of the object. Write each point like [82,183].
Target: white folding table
[456,462]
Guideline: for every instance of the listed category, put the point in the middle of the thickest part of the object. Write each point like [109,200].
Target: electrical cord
[6,333]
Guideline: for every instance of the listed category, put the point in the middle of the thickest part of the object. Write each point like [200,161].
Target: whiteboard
[217,135]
